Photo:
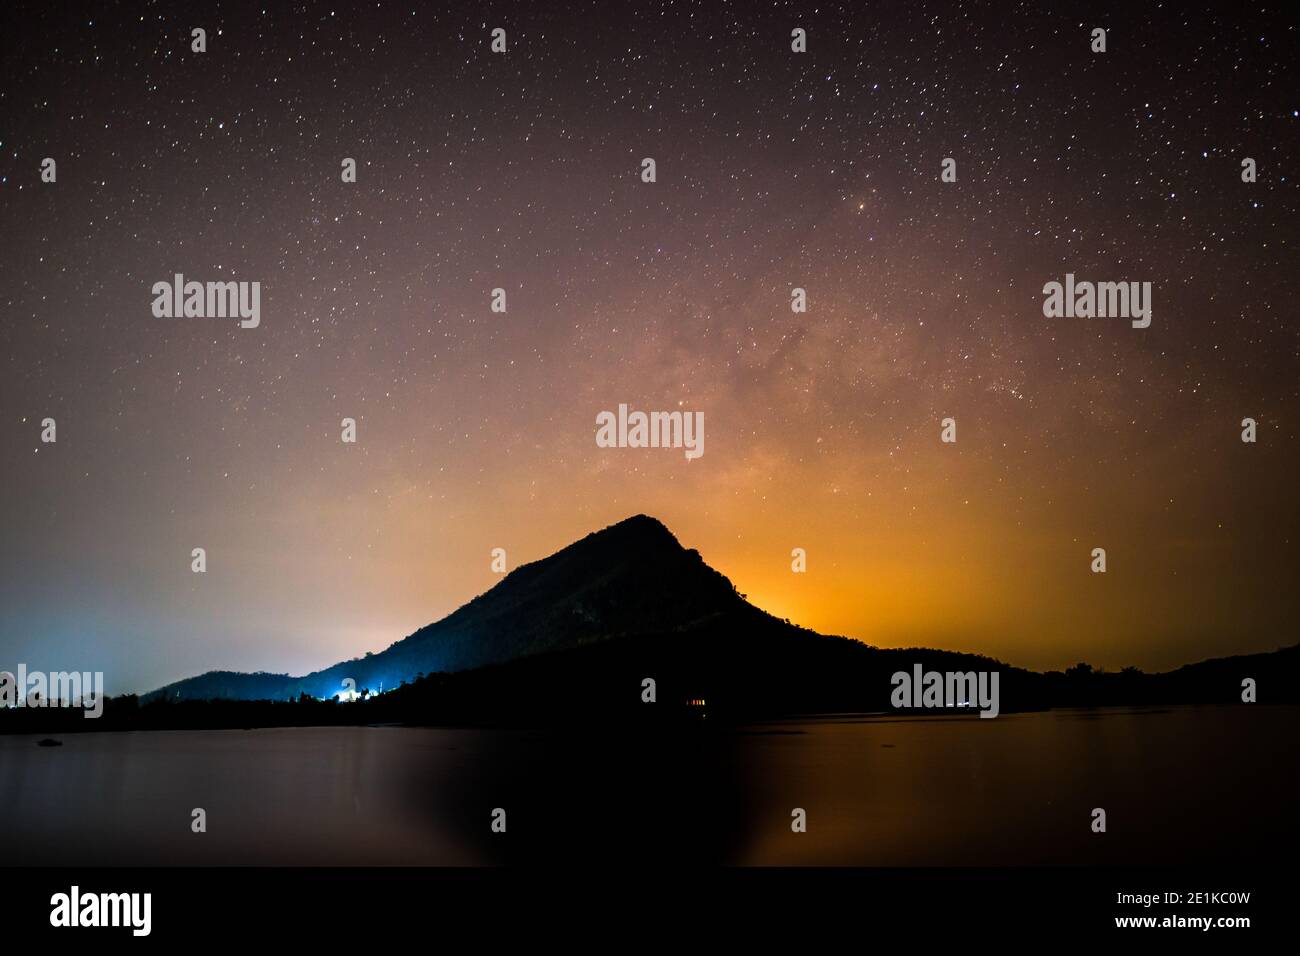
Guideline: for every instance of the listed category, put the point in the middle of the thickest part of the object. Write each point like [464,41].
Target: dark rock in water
[49,742]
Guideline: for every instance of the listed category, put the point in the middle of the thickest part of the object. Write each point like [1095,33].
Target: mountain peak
[642,522]
[637,530]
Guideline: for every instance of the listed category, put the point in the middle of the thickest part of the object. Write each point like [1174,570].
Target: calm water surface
[1178,785]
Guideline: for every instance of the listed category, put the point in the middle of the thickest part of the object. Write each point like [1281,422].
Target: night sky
[521,171]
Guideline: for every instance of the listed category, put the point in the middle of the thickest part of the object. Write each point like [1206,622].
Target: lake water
[1207,784]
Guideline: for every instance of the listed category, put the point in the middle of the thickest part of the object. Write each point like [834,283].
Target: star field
[521,171]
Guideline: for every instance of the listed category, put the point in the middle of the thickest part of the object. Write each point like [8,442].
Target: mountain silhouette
[576,635]
[632,578]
